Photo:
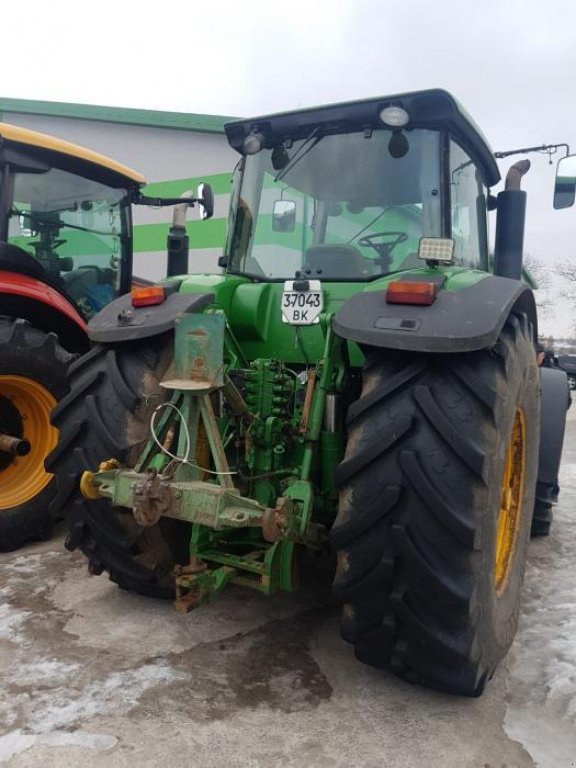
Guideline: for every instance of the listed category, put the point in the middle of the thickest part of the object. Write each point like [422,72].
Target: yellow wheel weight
[25,477]
[511,499]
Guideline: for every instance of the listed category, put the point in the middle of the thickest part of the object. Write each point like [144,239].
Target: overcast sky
[512,63]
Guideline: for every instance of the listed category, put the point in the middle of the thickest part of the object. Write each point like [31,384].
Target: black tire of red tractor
[420,488]
[30,353]
[114,390]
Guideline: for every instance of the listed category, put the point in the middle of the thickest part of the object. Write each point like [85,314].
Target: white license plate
[302,307]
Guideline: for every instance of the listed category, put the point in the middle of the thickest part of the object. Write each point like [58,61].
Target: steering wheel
[383,242]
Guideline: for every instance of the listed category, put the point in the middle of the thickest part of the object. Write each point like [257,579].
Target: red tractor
[65,252]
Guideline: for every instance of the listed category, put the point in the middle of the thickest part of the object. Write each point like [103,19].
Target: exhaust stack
[509,245]
[177,243]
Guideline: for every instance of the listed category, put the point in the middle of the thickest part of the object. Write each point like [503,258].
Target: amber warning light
[411,292]
[148,296]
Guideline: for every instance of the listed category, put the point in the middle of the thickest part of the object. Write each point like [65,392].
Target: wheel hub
[10,424]
[511,498]
[25,408]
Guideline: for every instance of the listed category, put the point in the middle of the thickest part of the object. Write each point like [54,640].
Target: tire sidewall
[114,391]
[35,357]
[19,361]
[522,393]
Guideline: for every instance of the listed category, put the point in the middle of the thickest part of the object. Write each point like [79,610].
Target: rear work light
[411,292]
[148,296]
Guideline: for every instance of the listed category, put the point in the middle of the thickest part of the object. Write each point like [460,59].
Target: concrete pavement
[93,676]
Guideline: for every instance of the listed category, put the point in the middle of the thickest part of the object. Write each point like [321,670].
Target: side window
[468,210]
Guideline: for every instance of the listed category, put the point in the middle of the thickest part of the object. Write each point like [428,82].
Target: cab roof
[79,157]
[434,109]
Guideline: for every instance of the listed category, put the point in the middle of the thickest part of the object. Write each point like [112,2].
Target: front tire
[106,415]
[437,490]
[33,377]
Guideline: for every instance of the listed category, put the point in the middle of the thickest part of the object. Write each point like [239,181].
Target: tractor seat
[335,262]
[16,259]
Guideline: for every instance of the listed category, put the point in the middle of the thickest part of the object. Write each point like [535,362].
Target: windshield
[75,229]
[342,209]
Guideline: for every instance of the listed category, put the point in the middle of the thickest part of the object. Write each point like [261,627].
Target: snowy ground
[542,663]
[93,676]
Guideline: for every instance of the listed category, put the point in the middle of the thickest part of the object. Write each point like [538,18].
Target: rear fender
[463,320]
[553,407]
[22,296]
[119,321]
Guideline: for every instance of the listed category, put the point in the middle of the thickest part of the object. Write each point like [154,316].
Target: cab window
[468,196]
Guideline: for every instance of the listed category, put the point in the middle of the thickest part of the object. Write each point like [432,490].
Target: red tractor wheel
[32,379]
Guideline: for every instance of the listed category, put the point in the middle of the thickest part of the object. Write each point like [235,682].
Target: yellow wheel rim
[25,477]
[512,491]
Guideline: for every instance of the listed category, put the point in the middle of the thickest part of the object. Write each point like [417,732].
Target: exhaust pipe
[177,243]
[509,244]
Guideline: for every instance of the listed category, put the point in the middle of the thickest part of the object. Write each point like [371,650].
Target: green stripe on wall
[202,234]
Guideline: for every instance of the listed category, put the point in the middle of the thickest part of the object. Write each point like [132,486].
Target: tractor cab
[346,193]
[65,218]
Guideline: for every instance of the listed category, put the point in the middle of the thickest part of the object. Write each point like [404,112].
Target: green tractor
[359,377]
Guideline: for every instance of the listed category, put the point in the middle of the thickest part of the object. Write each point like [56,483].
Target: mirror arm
[549,149]
[160,202]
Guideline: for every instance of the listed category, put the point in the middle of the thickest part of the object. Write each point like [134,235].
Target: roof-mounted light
[253,143]
[394,116]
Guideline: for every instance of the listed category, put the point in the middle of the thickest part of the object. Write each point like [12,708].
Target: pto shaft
[14,445]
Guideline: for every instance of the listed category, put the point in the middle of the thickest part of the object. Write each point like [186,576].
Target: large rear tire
[33,377]
[554,403]
[106,415]
[437,491]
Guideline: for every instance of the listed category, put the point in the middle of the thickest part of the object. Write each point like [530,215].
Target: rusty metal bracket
[195,584]
[151,499]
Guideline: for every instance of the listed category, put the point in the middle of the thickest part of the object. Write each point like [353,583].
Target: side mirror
[205,197]
[565,187]
[284,216]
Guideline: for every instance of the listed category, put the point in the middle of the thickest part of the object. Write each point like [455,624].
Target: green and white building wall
[175,151]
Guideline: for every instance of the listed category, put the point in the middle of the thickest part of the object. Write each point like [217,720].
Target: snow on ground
[542,663]
[15,742]
[11,621]
[50,695]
